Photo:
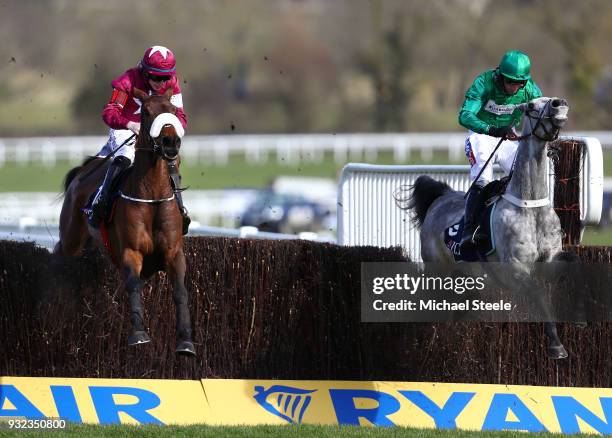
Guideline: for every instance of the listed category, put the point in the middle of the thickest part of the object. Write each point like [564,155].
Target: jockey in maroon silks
[155,74]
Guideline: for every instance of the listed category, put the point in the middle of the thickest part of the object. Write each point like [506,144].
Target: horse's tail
[424,192]
[74,171]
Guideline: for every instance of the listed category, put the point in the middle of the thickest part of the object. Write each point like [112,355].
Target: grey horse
[526,228]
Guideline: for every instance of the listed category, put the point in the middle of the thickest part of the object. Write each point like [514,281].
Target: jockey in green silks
[490,112]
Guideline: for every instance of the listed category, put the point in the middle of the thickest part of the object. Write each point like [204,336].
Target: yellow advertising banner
[422,405]
[103,401]
[252,402]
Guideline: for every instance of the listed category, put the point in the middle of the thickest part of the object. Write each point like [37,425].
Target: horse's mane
[74,171]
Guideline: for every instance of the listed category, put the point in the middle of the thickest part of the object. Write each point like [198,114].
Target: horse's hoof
[558,352]
[580,324]
[185,348]
[138,337]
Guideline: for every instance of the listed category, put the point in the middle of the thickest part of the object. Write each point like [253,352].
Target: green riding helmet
[515,65]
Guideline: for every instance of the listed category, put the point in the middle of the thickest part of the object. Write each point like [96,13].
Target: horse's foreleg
[176,272]
[567,272]
[556,350]
[537,296]
[132,262]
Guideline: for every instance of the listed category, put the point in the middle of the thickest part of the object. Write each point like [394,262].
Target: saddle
[453,234]
[114,194]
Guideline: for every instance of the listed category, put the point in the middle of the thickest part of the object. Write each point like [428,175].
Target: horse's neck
[150,175]
[530,176]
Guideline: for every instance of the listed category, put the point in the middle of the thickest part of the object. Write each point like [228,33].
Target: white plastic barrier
[591,182]
[367,210]
[368,214]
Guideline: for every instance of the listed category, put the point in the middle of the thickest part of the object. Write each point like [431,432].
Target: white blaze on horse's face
[166,119]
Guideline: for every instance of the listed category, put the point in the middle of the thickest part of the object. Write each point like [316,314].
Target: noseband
[159,149]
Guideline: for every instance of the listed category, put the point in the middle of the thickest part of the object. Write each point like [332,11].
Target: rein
[159,150]
[524,203]
[108,157]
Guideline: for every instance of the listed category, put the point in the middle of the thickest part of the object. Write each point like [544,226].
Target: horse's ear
[139,94]
[168,94]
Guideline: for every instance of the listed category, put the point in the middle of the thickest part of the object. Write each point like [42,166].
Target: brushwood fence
[265,309]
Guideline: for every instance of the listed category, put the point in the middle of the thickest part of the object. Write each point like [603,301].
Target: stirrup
[467,244]
[478,236]
[468,241]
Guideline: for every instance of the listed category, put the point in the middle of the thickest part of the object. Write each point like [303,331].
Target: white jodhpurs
[115,138]
[478,149]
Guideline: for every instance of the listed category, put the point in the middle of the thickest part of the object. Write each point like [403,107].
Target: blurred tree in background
[298,65]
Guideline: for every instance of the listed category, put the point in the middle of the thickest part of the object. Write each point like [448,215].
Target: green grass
[272,431]
[597,237]
[238,173]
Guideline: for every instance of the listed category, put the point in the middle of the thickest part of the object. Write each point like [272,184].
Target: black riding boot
[100,204]
[175,179]
[470,238]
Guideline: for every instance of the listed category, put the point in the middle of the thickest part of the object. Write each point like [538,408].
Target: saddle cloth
[114,195]
[452,237]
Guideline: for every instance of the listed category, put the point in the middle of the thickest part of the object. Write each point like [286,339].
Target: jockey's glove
[504,131]
[134,127]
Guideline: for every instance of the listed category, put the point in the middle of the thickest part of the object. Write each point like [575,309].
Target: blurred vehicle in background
[285,213]
[323,191]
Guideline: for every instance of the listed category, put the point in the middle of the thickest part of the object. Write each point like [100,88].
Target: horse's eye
[531,105]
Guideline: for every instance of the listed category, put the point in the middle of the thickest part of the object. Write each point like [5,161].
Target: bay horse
[525,226]
[145,233]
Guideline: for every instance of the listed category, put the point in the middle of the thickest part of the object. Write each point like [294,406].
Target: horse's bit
[159,149]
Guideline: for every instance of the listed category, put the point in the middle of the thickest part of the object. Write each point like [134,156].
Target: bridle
[550,135]
[159,149]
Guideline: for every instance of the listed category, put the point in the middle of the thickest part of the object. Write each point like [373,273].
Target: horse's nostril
[556,103]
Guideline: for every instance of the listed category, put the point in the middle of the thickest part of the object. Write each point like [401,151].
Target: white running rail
[290,149]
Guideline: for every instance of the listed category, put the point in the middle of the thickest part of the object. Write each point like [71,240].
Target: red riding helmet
[159,61]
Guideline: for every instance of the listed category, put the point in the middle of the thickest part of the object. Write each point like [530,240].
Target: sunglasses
[155,78]
[514,82]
